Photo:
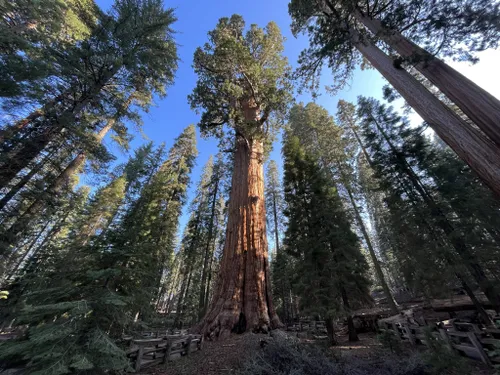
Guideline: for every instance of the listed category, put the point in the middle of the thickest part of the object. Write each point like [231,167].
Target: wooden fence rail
[306,325]
[154,351]
[466,338]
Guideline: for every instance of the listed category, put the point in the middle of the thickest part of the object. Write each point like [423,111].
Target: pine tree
[330,268]
[131,26]
[88,303]
[30,33]
[243,83]
[337,40]
[378,124]
[274,203]
[336,151]
[280,264]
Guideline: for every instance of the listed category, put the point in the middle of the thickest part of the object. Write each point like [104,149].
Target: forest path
[216,357]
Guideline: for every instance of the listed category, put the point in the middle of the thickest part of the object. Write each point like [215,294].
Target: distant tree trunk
[479,105]
[186,281]
[25,179]
[457,240]
[479,152]
[209,283]
[48,125]
[353,336]
[376,263]
[62,180]
[202,308]
[330,331]
[242,300]
[276,230]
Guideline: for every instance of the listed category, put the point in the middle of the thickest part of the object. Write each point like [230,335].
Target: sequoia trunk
[478,104]
[242,300]
[479,152]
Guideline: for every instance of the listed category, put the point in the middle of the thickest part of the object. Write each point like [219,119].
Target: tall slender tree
[242,83]
[336,152]
[331,268]
[337,40]
[378,121]
[131,26]
[274,203]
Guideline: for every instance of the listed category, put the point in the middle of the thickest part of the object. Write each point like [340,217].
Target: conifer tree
[242,83]
[136,31]
[87,304]
[379,125]
[274,203]
[336,150]
[275,220]
[30,33]
[330,268]
[338,40]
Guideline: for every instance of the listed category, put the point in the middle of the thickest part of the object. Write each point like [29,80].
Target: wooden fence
[466,338]
[161,349]
[306,325]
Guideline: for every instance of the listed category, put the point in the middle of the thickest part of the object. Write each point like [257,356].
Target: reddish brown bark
[474,148]
[242,300]
[478,104]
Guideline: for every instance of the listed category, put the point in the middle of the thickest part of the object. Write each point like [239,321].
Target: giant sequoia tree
[242,83]
[339,39]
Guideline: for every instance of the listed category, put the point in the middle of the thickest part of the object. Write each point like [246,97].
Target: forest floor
[226,357]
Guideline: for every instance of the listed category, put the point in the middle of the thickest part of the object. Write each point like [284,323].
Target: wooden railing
[161,350]
[306,325]
[466,338]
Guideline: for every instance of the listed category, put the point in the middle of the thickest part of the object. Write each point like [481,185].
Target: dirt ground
[225,357]
[217,357]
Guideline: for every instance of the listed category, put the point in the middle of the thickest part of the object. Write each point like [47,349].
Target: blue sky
[171,115]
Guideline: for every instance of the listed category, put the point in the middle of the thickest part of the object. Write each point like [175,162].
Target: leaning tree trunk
[208,254]
[479,152]
[478,104]
[242,301]
[458,241]
[13,233]
[371,250]
[46,127]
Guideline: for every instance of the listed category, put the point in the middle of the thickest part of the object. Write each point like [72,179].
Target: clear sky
[171,115]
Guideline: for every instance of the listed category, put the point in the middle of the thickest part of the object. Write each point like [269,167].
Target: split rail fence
[466,338]
[160,348]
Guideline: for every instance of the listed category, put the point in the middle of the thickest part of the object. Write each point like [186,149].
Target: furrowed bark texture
[478,104]
[242,300]
[475,149]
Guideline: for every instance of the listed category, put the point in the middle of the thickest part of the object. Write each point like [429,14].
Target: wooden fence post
[479,347]
[409,334]
[168,349]
[139,358]
[188,343]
